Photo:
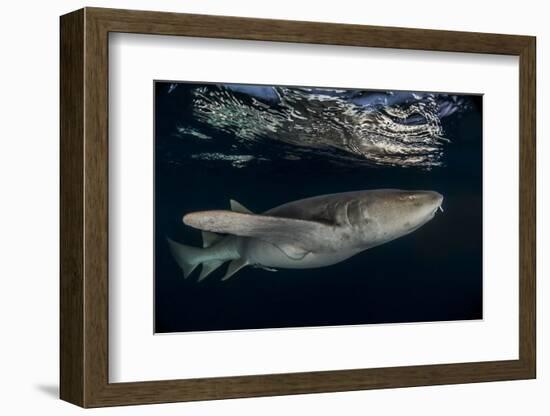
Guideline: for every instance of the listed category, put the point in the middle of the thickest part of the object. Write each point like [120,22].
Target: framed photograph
[256,207]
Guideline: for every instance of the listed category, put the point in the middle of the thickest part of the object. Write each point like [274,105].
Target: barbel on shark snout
[308,233]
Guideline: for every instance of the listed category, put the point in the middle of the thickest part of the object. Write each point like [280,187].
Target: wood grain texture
[96,218]
[225,27]
[71,208]
[528,207]
[84,207]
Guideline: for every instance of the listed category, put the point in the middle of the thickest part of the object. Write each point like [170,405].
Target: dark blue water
[267,146]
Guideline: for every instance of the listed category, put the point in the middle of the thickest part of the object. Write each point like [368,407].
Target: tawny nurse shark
[308,233]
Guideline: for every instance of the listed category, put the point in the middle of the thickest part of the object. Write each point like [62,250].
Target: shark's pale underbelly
[262,253]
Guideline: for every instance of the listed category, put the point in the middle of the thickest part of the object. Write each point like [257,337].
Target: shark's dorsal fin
[234,267]
[209,239]
[238,207]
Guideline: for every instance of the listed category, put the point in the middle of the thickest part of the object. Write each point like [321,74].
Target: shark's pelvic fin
[238,207]
[234,267]
[209,239]
[208,268]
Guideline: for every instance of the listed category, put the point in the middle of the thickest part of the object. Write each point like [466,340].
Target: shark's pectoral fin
[238,207]
[234,267]
[294,237]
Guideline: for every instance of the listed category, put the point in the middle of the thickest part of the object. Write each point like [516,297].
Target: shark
[308,233]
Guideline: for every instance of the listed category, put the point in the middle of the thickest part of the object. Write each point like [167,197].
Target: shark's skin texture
[308,233]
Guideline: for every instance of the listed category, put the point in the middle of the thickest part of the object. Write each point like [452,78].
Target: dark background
[433,274]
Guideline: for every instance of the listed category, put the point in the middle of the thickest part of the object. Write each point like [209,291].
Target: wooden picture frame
[84,207]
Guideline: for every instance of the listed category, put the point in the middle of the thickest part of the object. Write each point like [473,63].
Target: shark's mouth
[438,208]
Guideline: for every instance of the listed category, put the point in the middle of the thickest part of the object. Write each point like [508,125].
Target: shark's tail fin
[188,258]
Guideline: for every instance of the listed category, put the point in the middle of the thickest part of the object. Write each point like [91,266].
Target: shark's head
[391,213]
